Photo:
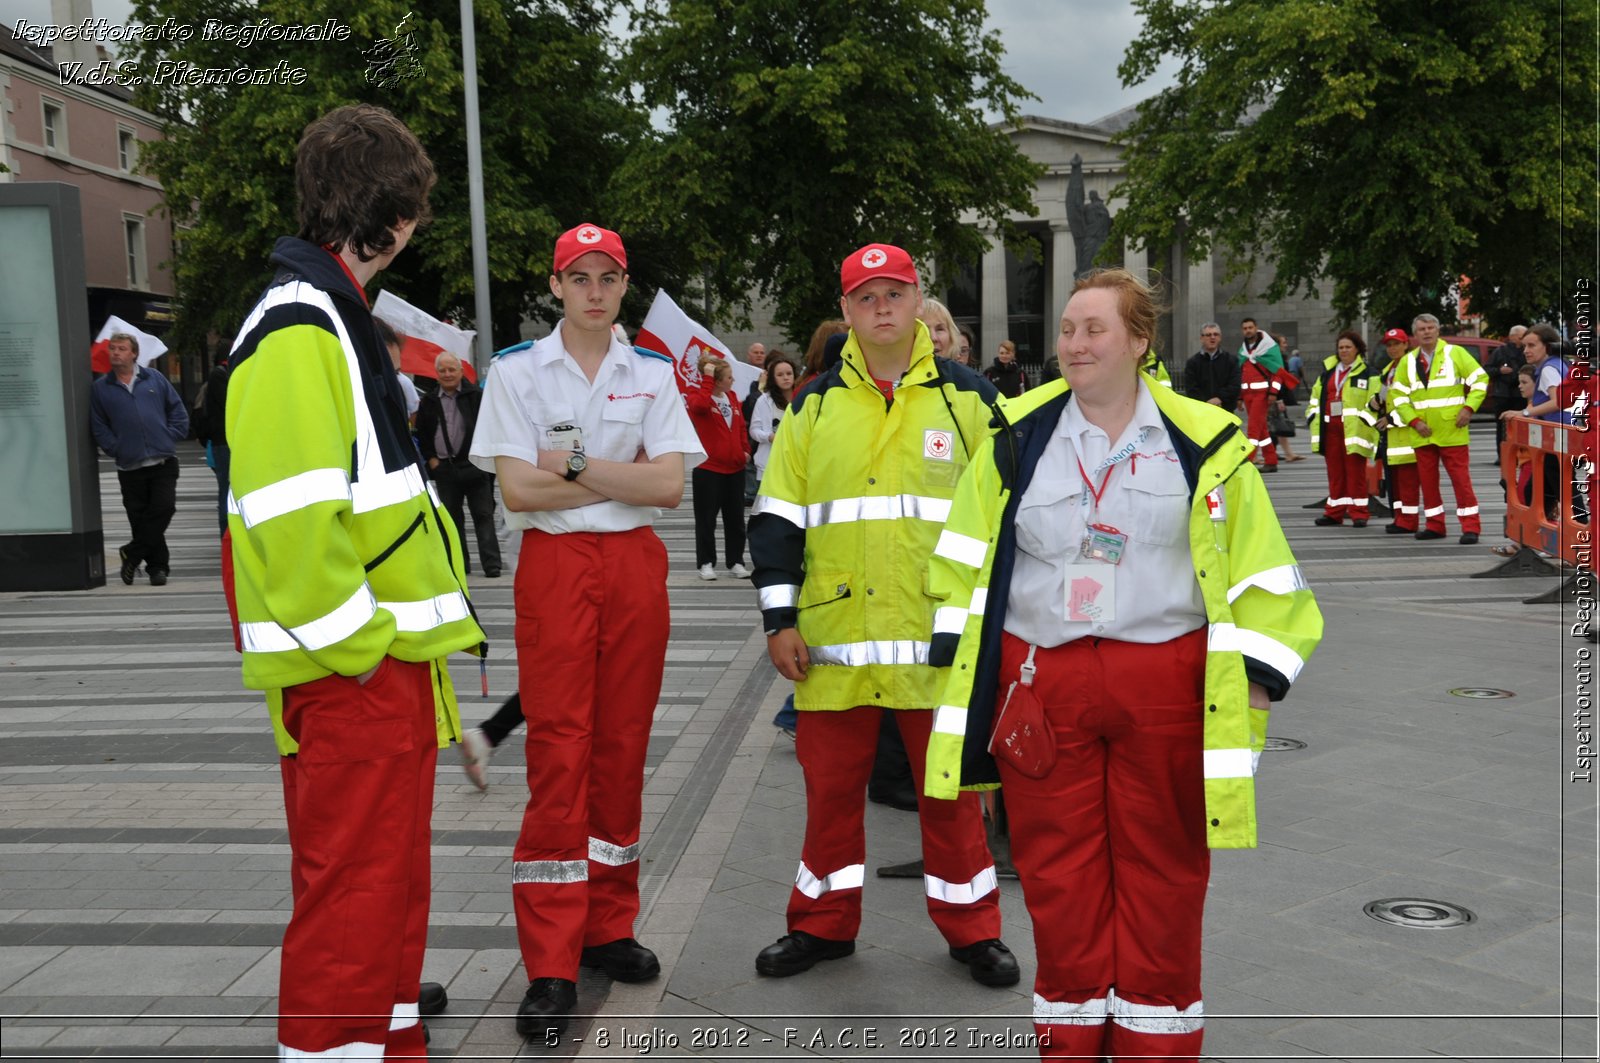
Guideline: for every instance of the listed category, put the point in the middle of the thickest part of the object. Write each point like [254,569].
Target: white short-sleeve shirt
[1156,594]
[633,404]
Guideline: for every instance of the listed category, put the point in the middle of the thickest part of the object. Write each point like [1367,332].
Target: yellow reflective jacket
[341,553]
[854,495]
[1360,423]
[1455,379]
[1263,621]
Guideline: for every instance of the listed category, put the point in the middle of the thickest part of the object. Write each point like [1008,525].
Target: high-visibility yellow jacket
[855,493]
[1263,621]
[341,553]
[1455,380]
[1156,368]
[1355,413]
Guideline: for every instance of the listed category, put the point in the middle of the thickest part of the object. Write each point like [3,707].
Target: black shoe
[1425,534]
[799,951]
[1358,524]
[1469,539]
[910,869]
[130,569]
[158,577]
[432,999]
[1268,468]
[1328,522]
[1395,529]
[546,1007]
[624,960]
[990,962]
[902,797]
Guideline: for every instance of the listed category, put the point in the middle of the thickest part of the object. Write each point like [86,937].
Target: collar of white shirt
[1092,443]
[551,350]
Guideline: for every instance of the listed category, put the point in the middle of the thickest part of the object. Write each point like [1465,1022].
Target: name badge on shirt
[1102,542]
[1335,409]
[1091,593]
[563,437]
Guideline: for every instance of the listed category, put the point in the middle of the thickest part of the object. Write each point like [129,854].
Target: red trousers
[591,634]
[359,802]
[1111,847]
[1256,404]
[836,749]
[1347,475]
[1455,462]
[1403,483]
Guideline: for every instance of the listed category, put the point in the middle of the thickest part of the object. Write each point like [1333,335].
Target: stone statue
[1090,221]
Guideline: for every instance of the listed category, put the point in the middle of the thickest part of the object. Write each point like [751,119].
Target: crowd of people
[1091,611]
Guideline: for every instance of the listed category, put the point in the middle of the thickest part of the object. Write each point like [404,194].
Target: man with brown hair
[348,594]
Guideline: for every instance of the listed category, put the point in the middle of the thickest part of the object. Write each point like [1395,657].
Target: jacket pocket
[824,588]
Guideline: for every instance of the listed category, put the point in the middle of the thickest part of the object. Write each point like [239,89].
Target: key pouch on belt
[1022,736]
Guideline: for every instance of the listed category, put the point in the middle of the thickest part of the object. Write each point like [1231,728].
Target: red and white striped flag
[426,337]
[150,348]
[668,330]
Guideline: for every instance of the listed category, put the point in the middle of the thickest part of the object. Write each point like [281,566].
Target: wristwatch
[576,464]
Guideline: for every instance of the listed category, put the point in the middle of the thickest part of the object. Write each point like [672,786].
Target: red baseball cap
[1396,334]
[874,261]
[581,239]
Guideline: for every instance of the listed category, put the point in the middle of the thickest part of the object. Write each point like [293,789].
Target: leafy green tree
[798,130]
[1387,146]
[554,125]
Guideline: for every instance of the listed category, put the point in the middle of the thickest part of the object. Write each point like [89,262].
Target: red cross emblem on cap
[874,258]
[588,235]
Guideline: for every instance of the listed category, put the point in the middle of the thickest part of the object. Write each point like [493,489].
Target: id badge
[1091,593]
[1102,542]
[563,437]
[1335,409]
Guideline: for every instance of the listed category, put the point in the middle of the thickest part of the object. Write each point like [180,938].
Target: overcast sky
[1064,51]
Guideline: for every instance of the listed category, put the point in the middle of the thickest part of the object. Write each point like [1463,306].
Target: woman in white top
[771,405]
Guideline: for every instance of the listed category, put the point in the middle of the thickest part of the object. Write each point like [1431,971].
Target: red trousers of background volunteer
[1347,475]
[359,802]
[591,634]
[1406,490]
[1455,462]
[1111,847]
[836,749]
[1256,404]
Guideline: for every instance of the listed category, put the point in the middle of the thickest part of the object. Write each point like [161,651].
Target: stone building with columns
[1020,297]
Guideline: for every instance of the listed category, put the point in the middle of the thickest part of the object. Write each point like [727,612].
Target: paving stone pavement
[143,861]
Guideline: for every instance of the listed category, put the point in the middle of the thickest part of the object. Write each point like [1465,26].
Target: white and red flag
[150,348]
[668,330]
[426,337]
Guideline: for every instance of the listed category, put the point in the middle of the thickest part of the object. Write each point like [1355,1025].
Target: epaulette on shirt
[645,352]
[514,348]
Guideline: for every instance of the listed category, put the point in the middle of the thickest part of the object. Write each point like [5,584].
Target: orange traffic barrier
[1546,448]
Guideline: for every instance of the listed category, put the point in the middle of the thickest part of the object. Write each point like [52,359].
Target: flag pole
[480,240]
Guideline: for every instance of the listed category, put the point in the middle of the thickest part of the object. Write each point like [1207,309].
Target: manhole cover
[1481,692]
[1278,745]
[1415,911]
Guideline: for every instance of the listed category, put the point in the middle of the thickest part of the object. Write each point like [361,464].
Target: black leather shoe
[1425,534]
[1358,524]
[1469,538]
[902,797]
[799,951]
[1395,529]
[158,577]
[432,999]
[546,1008]
[624,960]
[1327,522]
[491,573]
[990,962]
[130,569]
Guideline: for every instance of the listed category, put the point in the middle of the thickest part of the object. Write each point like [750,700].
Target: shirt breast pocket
[1047,523]
[548,416]
[1159,510]
[624,428]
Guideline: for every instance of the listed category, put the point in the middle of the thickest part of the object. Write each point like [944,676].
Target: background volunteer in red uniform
[1259,363]
[589,439]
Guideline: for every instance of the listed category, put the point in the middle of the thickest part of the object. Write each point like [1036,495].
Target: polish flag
[150,348]
[668,330]
[426,337]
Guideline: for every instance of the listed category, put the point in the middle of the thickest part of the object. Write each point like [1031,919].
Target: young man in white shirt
[589,439]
